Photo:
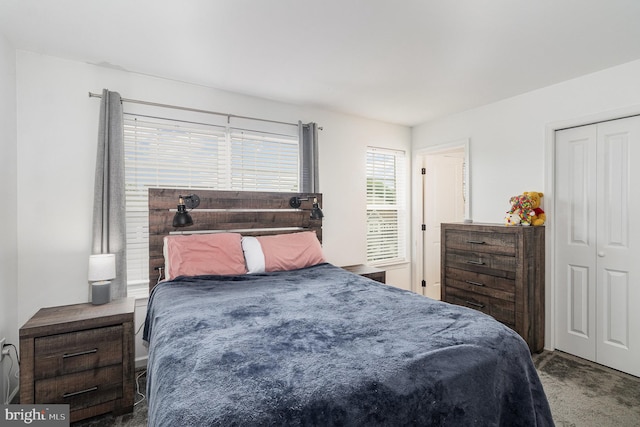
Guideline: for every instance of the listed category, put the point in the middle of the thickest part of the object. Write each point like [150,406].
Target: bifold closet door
[575,228]
[598,243]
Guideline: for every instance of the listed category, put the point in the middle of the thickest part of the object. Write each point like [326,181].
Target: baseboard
[141,362]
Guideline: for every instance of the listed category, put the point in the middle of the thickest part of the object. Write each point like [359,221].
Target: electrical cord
[140,375]
[138,331]
[17,374]
[14,349]
[6,402]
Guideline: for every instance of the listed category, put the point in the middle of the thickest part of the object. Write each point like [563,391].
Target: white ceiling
[400,61]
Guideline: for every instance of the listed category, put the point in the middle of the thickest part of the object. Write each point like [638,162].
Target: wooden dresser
[498,270]
[81,355]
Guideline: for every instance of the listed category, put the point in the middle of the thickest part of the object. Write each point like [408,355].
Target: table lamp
[102,268]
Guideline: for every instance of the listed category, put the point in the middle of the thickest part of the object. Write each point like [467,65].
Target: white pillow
[165,254]
[253,255]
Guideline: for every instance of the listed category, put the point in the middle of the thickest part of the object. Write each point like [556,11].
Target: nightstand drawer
[476,241]
[77,351]
[503,311]
[82,389]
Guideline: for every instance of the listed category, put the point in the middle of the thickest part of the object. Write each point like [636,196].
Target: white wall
[508,140]
[8,214]
[57,132]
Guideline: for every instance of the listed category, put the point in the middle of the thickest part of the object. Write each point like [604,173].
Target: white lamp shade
[102,267]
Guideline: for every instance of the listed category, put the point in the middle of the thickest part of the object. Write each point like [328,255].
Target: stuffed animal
[522,206]
[512,218]
[539,217]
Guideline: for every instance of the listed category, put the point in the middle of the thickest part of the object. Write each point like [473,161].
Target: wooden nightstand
[373,273]
[81,355]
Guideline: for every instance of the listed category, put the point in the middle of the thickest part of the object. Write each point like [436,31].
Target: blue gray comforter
[324,347]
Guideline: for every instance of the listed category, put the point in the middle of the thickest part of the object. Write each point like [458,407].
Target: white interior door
[443,202]
[575,226]
[598,240]
[618,252]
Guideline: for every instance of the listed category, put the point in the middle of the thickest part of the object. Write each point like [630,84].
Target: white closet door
[618,253]
[575,225]
[598,243]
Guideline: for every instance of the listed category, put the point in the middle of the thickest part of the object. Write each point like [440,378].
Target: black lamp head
[316,212]
[182,217]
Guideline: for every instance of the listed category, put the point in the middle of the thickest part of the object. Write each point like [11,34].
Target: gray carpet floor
[585,394]
[580,393]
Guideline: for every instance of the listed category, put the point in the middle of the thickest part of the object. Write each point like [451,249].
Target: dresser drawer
[481,262]
[82,389]
[492,286]
[77,351]
[503,311]
[478,241]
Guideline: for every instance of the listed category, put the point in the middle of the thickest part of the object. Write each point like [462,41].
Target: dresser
[81,355]
[498,270]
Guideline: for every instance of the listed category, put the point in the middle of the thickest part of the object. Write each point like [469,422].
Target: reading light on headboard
[182,217]
[316,212]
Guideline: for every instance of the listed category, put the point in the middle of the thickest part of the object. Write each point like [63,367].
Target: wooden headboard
[250,213]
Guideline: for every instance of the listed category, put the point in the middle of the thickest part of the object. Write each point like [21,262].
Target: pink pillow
[199,254]
[291,251]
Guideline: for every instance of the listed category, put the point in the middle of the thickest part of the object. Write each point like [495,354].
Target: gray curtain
[109,201]
[308,157]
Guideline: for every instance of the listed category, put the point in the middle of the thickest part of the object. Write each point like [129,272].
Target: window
[161,152]
[386,210]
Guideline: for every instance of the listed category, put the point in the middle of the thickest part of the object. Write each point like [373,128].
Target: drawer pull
[474,283]
[475,262]
[80,353]
[475,304]
[75,393]
[476,242]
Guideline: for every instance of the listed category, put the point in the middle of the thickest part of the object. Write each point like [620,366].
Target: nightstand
[373,273]
[81,355]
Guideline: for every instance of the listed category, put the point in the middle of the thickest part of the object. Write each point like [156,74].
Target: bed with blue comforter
[321,346]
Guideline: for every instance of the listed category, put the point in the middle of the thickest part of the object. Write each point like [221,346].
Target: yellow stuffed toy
[539,216]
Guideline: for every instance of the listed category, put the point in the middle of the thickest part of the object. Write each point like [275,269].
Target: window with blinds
[162,152]
[386,206]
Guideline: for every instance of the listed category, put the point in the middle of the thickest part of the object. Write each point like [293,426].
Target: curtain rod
[196,110]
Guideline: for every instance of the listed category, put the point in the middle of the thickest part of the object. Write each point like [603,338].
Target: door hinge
[423,171]
[424,227]
[424,283]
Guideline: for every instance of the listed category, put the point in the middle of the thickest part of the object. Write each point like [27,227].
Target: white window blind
[162,152]
[263,162]
[386,206]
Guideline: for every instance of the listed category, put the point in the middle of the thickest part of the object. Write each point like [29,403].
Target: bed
[317,345]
